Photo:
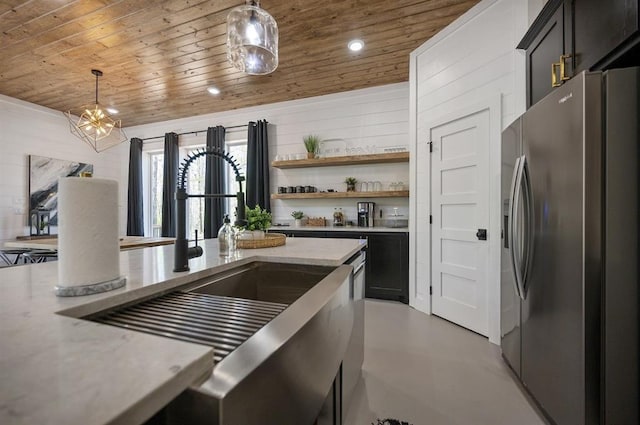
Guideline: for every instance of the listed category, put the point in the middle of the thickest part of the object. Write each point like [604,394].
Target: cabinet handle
[554,76]
[559,67]
[563,76]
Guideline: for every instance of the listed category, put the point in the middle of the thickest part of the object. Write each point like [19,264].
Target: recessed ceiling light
[112,110]
[356,45]
[213,90]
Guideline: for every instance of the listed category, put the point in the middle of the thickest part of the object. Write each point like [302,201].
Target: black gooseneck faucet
[182,251]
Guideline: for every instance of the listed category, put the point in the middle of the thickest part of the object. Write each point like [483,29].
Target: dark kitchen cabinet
[604,31]
[348,235]
[571,36]
[549,50]
[302,233]
[387,269]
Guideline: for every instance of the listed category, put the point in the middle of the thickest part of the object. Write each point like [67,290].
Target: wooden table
[126,243]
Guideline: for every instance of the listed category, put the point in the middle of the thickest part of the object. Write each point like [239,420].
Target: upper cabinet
[570,36]
[604,31]
[549,47]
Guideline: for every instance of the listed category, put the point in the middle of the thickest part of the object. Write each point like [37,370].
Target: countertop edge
[350,229]
[149,405]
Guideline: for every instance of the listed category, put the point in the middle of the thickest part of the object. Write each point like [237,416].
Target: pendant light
[95,126]
[252,39]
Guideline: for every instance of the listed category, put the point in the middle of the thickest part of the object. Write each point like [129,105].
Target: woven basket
[316,221]
[270,240]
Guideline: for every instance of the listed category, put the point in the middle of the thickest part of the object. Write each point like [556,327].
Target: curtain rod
[195,132]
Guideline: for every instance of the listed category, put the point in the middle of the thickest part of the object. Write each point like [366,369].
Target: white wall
[370,117]
[28,129]
[362,118]
[471,62]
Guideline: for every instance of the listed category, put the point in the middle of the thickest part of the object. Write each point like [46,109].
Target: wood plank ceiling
[159,57]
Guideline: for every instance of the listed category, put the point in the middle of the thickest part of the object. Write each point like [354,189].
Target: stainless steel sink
[279,334]
[270,282]
[222,311]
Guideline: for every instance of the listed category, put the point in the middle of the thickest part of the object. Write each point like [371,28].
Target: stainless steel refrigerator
[569,271]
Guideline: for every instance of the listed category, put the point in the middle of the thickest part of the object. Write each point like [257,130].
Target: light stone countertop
[355,229]
[57,369]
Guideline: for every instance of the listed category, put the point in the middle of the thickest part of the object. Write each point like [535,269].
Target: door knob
[482,234]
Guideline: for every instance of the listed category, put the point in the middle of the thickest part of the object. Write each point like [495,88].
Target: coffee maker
[365,214]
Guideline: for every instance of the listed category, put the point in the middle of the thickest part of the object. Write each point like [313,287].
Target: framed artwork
[43,182]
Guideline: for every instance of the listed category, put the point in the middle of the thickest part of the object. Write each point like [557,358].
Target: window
[156,165]
[195,185]
[238,150]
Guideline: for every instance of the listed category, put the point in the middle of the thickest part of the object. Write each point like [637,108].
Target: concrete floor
[424,370]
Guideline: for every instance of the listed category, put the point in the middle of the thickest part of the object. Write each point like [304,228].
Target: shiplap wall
[375,117]
[28,129]
[362,118]
[471,62]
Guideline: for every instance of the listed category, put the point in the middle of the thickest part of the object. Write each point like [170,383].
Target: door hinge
[430,290]
[430,219]
[430,146]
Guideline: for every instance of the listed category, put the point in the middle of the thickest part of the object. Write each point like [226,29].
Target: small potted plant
[297,215]
[311,144]
[258,221]
[351,184]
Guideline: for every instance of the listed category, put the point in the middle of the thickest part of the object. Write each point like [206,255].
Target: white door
[459,208]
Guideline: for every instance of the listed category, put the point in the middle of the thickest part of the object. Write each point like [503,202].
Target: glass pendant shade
[252,39]
[94,125]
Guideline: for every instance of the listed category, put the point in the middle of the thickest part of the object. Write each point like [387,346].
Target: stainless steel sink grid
[218,321]
[221,311]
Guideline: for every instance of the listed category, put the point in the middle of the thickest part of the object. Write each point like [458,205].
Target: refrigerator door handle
[512,225]
[527,255]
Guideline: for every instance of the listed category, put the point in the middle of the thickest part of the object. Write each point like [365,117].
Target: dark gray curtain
[135,220]
[214,182]
[258,165]
[169,184]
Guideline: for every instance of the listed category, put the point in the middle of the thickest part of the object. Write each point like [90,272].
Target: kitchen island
[58,369]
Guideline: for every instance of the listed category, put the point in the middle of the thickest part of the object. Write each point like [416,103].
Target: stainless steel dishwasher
[354,356]
[358,261]
[334,409]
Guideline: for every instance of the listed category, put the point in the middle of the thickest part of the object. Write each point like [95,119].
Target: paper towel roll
[88,245]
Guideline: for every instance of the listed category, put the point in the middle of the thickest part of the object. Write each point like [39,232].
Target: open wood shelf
[328,195]
[378,158]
